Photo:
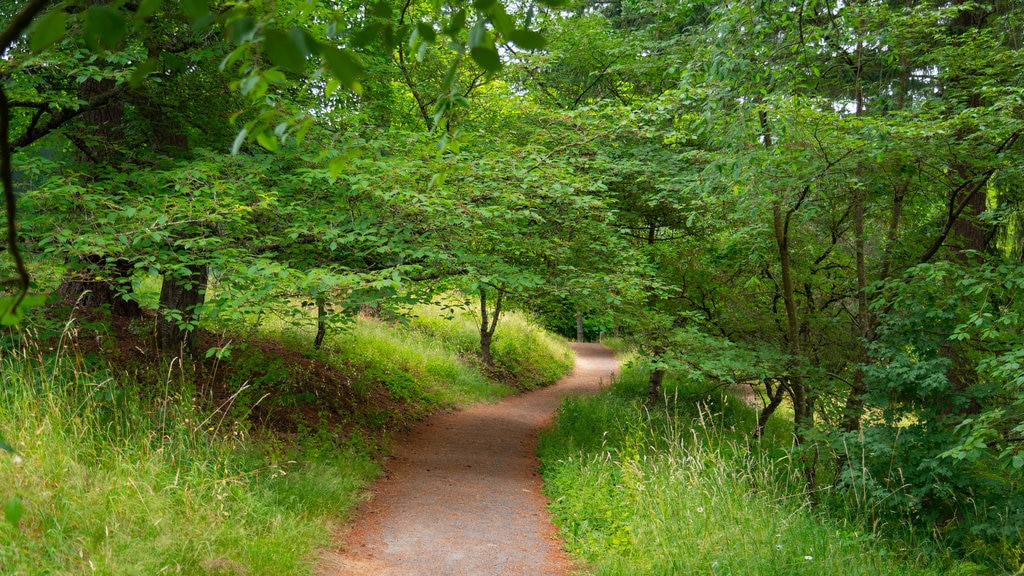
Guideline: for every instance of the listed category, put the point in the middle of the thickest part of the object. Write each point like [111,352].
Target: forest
[817,202]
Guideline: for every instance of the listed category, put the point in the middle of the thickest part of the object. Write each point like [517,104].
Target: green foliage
[820,198]
[939,449]
[676,489]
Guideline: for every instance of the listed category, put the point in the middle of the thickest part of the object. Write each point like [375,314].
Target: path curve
[462,494]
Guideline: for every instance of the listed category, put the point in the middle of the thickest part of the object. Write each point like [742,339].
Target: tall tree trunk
[854,407]
[579,326]
[176,322]
[803,405]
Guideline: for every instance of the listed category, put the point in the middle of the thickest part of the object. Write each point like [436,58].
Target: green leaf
[501,21]
[14,510]
[48,30]
[7,447]
[241,29]
[477,34]
[282,50]
[104,28]
[195,9]
[487,57]
[528,39]
[147,8]
[267,140]
[426,31]
[337,166]
[143,70]
[343,65]
[456,24]
[304,41]
[12,311]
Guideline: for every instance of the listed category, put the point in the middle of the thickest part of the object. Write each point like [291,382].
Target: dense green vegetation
[123,469]
[819,198]
[679,488]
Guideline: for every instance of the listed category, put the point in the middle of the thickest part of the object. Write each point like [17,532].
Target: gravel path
[462,493]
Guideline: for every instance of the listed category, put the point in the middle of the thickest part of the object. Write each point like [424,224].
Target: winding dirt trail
[462,494]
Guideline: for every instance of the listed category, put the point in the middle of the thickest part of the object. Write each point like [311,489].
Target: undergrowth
[681,489]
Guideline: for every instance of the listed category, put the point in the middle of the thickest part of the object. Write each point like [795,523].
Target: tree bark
[176,322]
[488,325]
[321,323]
[654,395]
[775,393]
[579,326]
[803,405]
[99,284]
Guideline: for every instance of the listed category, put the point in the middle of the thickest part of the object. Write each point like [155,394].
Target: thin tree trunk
[776,393]
[321,323]
[579,326]
[803,409]
[488,324]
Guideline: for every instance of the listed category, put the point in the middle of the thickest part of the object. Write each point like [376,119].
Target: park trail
[462,495]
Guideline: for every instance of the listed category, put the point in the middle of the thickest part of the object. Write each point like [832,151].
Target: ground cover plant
[680,488]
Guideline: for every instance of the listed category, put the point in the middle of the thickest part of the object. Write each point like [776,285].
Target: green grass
[416,368]
[533,357]
[115,479]
[681,490]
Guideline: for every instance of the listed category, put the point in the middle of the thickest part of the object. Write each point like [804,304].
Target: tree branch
[60,117]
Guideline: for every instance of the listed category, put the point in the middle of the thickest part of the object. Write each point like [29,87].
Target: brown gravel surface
[462,492]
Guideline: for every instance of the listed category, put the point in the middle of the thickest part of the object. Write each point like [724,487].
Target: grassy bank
[679,489]
[243,464]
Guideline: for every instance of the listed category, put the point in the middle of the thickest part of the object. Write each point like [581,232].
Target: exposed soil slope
[462,493]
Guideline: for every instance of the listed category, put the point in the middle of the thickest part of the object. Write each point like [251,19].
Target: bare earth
[462,494]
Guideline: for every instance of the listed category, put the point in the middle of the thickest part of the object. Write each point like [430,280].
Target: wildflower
[700,510]
[778,547]
[16,459]
[808,557]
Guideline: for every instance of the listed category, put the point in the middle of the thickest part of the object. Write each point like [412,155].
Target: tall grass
[116,479]
[677,490]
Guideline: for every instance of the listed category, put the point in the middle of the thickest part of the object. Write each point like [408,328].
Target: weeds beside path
[462,493]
